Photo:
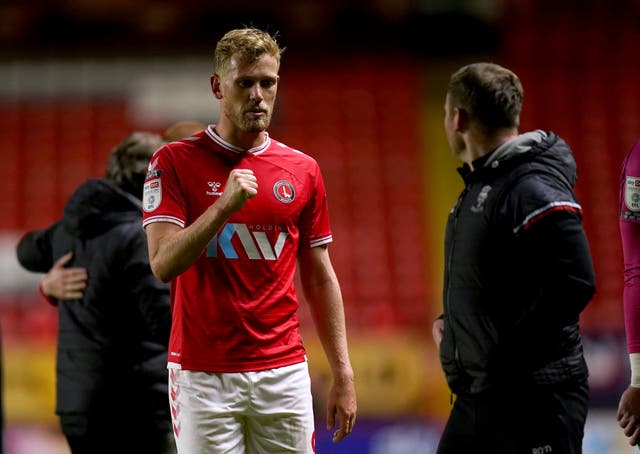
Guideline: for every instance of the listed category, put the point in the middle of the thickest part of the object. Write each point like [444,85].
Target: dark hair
[128,161]
[488,93]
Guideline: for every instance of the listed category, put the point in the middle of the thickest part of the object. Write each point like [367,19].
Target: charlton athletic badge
[632,193]
[152,194]
[283,191]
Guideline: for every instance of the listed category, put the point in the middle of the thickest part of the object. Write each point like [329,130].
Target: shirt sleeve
[162,199]
[315,229]
[48,299]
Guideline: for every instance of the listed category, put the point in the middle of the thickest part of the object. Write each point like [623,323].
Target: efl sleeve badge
[152,195]
[632,193]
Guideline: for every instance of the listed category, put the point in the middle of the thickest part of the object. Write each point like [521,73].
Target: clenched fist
[241,186]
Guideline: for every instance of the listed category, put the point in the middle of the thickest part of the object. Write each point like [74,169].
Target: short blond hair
[249,43]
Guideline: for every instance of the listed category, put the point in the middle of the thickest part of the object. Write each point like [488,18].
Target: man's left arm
[557,245]
[322,291]
[34,250]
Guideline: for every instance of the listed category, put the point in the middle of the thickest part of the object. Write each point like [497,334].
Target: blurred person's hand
[629,414]
[437,329]
[64,283]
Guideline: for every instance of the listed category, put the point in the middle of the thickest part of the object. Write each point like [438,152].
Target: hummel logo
[214,185]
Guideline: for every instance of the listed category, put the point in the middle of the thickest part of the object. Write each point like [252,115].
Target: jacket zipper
[456,210]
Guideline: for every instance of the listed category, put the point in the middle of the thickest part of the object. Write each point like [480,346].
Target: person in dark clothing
[111,376]
[67,282]
[518,273]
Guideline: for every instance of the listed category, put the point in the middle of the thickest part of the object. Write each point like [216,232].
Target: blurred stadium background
[361,91]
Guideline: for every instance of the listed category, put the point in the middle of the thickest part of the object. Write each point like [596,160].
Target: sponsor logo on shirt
[255,242]
[632,193]
[214,185]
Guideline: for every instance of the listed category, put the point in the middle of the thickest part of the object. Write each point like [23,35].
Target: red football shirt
[234,309]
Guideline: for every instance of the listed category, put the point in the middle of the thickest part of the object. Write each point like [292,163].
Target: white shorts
[269,411]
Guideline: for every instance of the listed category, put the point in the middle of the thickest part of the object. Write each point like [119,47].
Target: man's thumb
[62,261]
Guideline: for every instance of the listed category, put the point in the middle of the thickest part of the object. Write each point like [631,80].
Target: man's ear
[215,86]
[460,119]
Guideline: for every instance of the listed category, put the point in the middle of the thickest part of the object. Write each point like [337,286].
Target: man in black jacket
[518,272]
[111,382]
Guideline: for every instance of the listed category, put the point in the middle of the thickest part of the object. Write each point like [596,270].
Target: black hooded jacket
[112,343]
[518,270]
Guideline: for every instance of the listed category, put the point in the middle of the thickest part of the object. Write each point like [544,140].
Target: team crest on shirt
[482,197]
[632,193]
[152,194]
[152,172]
[284,192]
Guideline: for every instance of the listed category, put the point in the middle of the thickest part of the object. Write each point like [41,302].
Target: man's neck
[481,144]
[241,139]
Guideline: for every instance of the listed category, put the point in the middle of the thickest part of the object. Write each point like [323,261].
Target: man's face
[248,90]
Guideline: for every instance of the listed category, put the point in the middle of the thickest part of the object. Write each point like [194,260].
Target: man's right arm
[172,249]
